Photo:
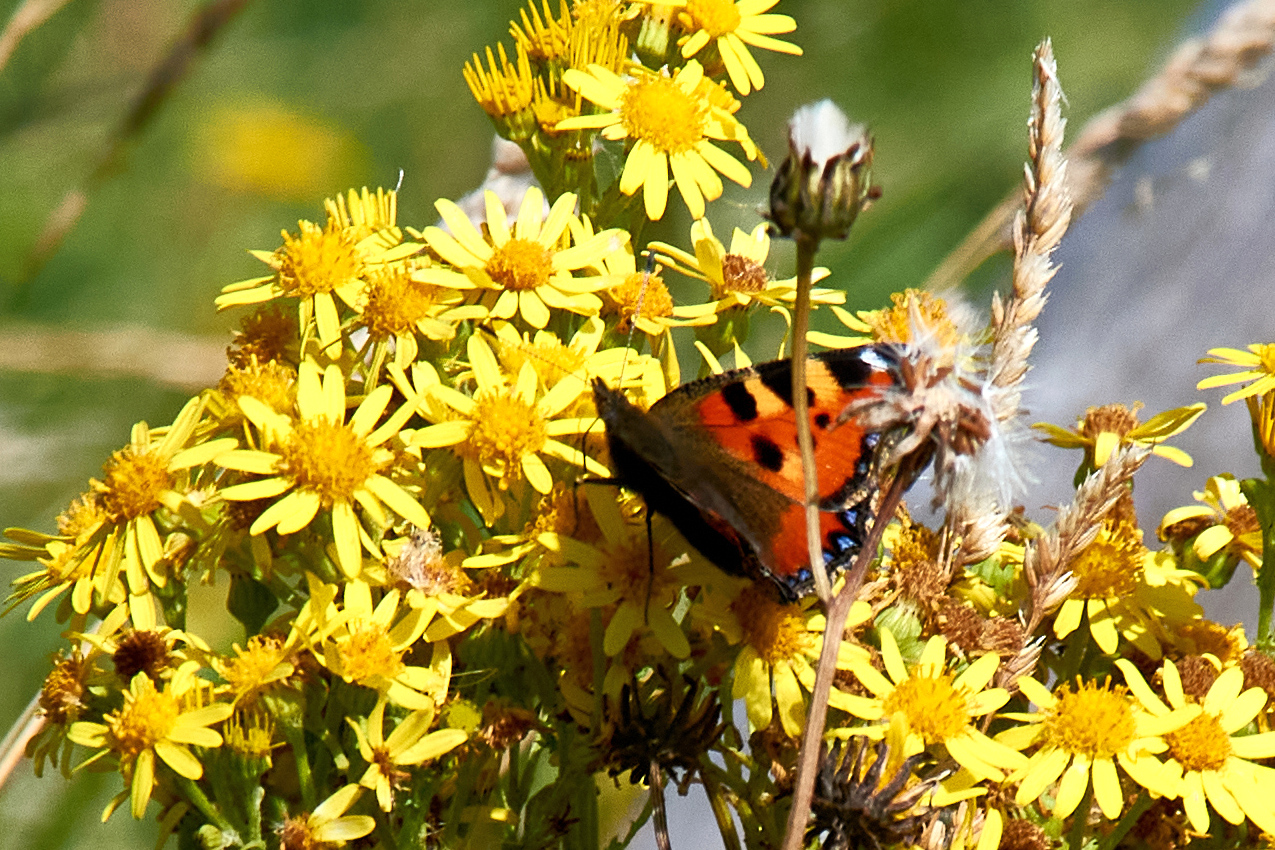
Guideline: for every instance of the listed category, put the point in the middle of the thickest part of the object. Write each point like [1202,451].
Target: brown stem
[838,611]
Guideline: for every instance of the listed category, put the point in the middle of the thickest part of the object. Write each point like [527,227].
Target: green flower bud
[825,181]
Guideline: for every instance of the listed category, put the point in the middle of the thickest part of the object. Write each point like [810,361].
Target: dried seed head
[819,189]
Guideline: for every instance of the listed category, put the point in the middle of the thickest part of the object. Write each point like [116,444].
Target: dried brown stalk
[1038,228]
[1047,559]
[1197,70]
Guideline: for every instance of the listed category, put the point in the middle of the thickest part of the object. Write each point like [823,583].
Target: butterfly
[719,458]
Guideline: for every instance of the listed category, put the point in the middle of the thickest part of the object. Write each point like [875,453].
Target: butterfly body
[719,458]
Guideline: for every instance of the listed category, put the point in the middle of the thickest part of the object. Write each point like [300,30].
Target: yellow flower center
[251,668]
[395,303]
[934,708]
[84,513]
[265,335]
[895,324]
[134,482]
[146,719]
[777,632]
[1200,745]
[520,265]
[626,567]
[367,652]
[640,295]
[655,110]
[327,458]
[296,834]
[1111,566]
[553,359]
[61,695]
[740,274]
[1266,357]
[318,260]
[506,429]
[716,17]
[271,382]
[1091,719]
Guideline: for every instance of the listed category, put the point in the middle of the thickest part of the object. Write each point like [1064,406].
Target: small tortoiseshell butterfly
[719,458]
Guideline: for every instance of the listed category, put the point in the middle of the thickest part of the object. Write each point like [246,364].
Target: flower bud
[825,181]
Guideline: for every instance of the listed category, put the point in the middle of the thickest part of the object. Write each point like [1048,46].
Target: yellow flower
[931,706]
[254,670]
[318,461]
[1125,590]
[408,745]
[639,299]
[502,431]
[117,524]
[641,576]
[1258,364]
[738,277]
[395,307]
[732,26]
[1207,763]
[779,646]
[1225,520]
[328,824]
[1105,428]
[151,724]
[911,312]
[522,271]
[670,120]
[365,645]
[1080,732]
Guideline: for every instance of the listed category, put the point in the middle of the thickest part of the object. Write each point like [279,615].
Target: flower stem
[1080,819]
[1126,822]
[200,801]
[806,248]
[838,611]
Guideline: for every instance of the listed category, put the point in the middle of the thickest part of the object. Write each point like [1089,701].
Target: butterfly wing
[719,457]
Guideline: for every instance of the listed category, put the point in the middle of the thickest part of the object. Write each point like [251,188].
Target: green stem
[1126,822]
[295,736]
[721,812]
[200,801]
[1080,822]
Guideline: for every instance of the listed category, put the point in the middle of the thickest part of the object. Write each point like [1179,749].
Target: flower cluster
[453,618]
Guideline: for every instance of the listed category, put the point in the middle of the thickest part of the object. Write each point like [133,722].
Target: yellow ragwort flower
[733,25]
[670,121]
[316,460]
[410,744]
[931,706]
[526,270]
[1080,732]
[116,526]
[1124,590]
[150,724]
[1258,365]
[1225,520]
[911,313]
[1209,763]
[328,825]
[1105,428]
[779,647]
[502,430]
[616,570]
[365,644]
[738,277]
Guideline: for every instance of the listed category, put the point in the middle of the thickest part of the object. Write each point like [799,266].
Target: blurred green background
[293,101]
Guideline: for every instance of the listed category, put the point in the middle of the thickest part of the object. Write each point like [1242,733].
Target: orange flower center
[1200,745]
[640,295]
[367,652]
[506,429]
[395,303]
[520,265]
